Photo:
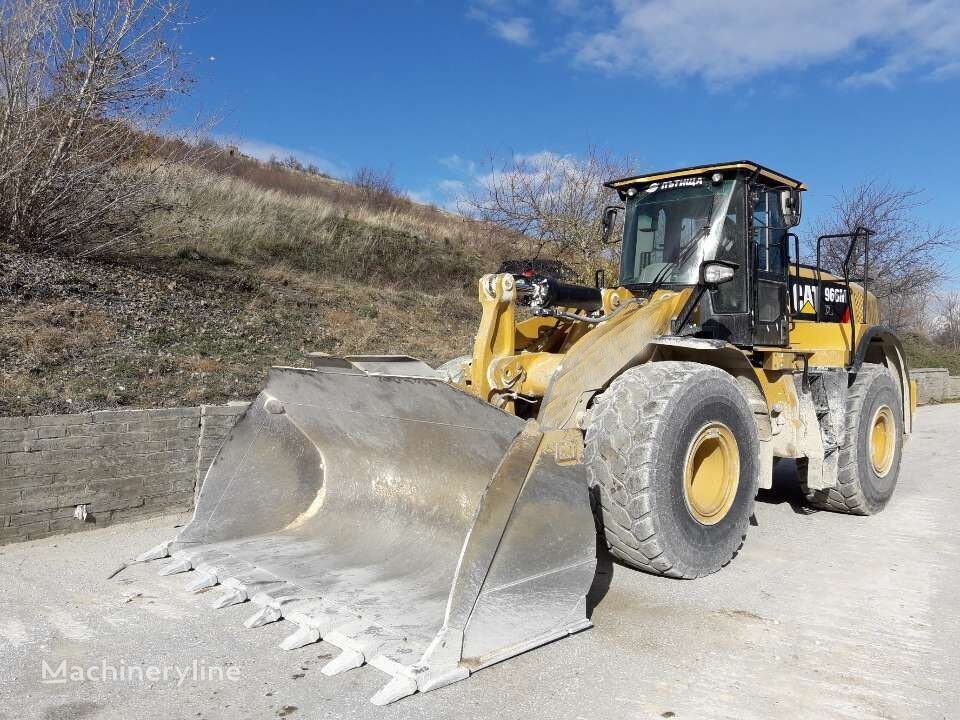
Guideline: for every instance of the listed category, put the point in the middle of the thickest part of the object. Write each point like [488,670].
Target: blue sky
[830,92]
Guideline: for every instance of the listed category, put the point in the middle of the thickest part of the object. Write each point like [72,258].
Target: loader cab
[740,213]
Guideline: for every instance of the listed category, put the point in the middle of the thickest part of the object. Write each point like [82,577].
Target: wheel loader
[431,522]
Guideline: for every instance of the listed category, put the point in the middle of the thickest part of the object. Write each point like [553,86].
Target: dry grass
[84,334]
[44,335]
[223,216]
[246,270]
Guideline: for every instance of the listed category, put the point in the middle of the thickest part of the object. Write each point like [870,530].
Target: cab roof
[749,166]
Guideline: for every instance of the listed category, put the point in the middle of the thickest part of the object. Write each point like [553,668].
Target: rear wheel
[672,451]
[870,455]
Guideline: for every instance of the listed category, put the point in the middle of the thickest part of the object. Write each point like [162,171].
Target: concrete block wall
[130,464]
[935,385]
[216,421]
[119,464]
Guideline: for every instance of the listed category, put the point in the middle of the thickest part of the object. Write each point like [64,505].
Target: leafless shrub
[947,320]
[555,200]
[81,84]
[378,187]
[905,261]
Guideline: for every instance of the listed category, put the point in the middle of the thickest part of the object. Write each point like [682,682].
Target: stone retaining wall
[66,473]
[935,385]
[126,464]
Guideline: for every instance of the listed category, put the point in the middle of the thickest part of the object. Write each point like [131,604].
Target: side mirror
[791,205]
[608,222]
[712,274]
[716,272]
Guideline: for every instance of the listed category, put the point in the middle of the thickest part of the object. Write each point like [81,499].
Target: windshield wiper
[660,278]
[687,250]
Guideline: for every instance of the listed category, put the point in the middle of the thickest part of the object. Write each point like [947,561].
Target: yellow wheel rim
[883,440]
[711,473]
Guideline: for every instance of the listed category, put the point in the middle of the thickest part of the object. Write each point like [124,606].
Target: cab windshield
[671,227]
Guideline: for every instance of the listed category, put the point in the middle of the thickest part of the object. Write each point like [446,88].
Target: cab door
[770,266]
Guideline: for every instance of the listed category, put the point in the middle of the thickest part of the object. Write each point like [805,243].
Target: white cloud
[517,30]
[878,41]
[424,197]
[457,163]
[458,194]
[451,187]
[262,150]
[451,161]
[501,17]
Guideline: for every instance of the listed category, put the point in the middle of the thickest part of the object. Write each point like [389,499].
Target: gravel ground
[79,335]
[820,616]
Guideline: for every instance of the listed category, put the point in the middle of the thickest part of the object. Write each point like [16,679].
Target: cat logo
[805,298]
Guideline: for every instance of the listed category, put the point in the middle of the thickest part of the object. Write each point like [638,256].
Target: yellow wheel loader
[431,522]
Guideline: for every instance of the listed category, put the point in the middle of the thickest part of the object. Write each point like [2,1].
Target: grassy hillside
[246,272]
[921,352]
[252,265]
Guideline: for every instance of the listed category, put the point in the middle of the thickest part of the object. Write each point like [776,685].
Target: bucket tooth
[361,637]
[253,581]
[231,597]
[320,615]
[204,581]
[177,566]
[275,596]
[158,552]
[302,636]
[346,660]
[264,616]
[399,687]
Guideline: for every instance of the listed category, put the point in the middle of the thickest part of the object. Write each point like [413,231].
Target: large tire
[647,428]
[866,481]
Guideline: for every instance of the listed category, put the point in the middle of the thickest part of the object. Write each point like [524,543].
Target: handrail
[858,232]
[796,257]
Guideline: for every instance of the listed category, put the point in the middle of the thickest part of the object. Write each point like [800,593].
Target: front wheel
[673,453]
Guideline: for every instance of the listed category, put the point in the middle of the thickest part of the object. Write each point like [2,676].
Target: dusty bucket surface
[376,507]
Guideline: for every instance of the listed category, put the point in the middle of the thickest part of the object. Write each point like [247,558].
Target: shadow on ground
[786,488]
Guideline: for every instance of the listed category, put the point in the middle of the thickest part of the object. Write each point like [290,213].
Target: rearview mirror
[608,222]
[790,207]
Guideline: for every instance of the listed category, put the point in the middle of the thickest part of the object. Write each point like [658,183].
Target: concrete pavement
[820,616]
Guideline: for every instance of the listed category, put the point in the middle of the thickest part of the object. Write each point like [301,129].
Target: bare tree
[556,200]
[905,261]
[912,312]
[82,84]
[948,320]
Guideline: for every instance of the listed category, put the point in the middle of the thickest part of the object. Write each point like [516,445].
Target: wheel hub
[711,473]
[883,440]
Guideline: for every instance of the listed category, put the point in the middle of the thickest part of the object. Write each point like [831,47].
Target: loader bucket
[374,506]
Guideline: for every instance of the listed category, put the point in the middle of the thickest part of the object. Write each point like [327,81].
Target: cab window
[770,233]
